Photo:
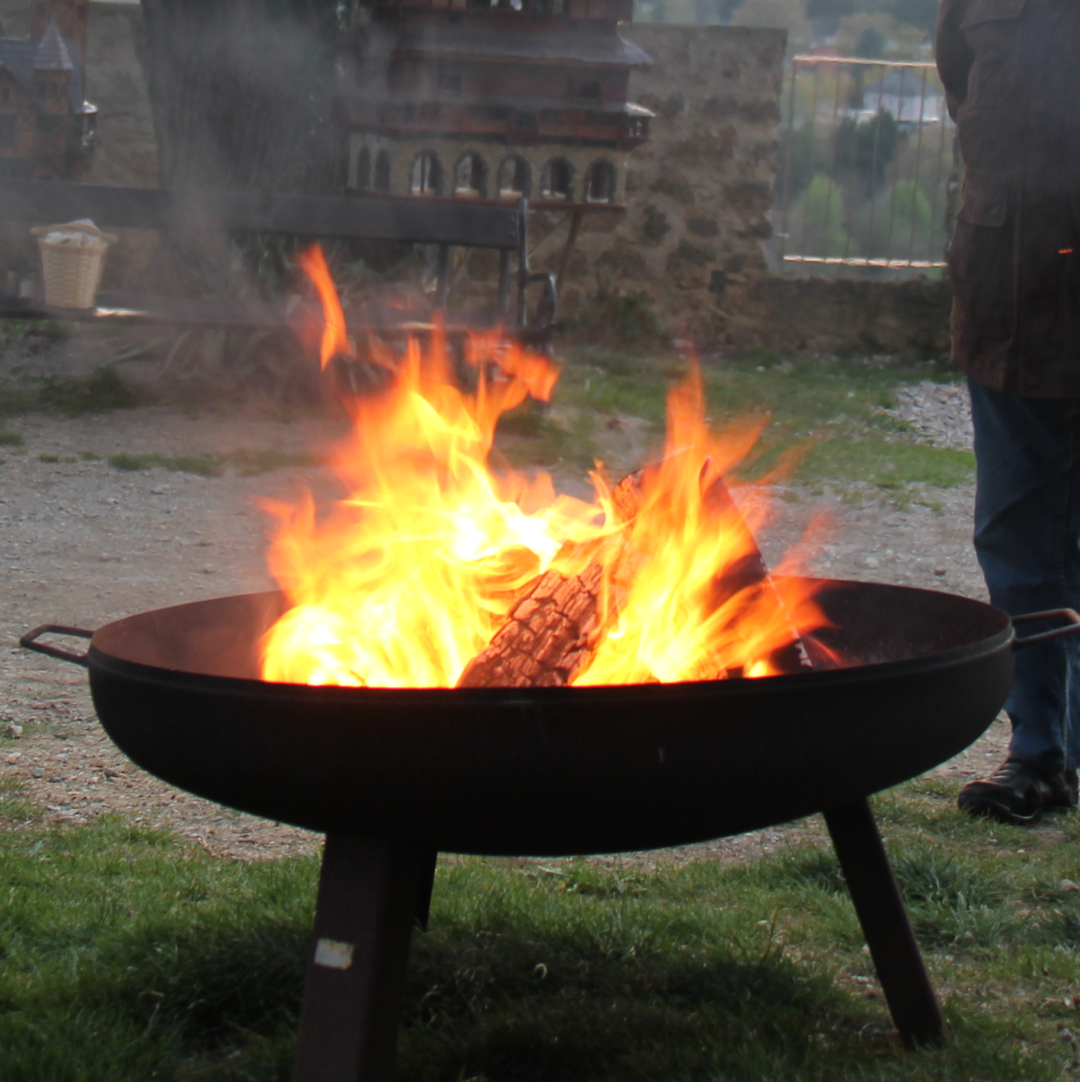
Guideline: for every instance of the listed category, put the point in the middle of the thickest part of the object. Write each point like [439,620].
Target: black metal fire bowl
[553,771]
[394,776]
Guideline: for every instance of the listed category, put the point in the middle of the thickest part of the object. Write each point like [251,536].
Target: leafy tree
[870,44]
[865,148]
[826,14]
[899,223]
[830,9]
[807,155]
[816,225]
[921,14]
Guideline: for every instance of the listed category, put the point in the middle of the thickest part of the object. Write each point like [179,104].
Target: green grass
[10,439]
[250,461]
[44,330]
[127,954]
[830,409]
[101,391]
[246,462]
[202,465]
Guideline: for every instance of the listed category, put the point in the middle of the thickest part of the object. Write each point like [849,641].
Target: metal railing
[867,164]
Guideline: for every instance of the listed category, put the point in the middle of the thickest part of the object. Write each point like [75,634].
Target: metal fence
[867,166]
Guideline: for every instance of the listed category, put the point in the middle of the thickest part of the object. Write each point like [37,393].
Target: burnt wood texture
[548,635]
[550,632]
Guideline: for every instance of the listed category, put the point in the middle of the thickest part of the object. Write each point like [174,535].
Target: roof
[506,101]
[483,43]
[52,54]
[19,57]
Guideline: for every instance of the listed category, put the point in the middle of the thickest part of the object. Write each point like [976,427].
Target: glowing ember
[408,579]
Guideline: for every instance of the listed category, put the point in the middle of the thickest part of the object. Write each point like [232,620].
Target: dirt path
[82,543]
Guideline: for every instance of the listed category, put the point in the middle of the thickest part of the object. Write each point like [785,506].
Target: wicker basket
[72,259]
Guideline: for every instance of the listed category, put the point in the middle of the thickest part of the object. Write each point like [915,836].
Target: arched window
[600,182]
[470,176]
[426,176]
[558,180]
[515,178]
[381,181]
[363,170]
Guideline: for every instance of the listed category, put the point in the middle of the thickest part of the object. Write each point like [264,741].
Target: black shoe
[1018,793]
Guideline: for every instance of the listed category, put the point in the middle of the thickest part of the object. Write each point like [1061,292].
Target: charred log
[546,638]
[750,572]
[550,633]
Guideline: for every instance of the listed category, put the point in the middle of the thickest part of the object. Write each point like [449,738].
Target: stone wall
[699,192]
[832,315]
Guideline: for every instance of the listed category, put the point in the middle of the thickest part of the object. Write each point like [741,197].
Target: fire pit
[393,776]
[462,661]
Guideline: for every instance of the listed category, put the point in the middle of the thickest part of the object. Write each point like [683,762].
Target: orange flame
[335,338]
[699,604]
[408,578]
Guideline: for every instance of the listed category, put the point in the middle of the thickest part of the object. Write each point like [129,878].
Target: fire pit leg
[426,886]
[355,982]
[885,923]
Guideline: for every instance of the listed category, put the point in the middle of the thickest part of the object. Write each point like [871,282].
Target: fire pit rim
[99,656]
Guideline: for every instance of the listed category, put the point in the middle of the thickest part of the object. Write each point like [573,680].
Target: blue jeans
[1027,539]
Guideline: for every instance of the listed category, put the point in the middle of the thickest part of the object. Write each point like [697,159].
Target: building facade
[470,99]
[47,130]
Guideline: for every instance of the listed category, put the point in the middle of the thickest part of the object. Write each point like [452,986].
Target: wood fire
[436,571]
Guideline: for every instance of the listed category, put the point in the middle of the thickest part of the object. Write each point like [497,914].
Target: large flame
[409,577]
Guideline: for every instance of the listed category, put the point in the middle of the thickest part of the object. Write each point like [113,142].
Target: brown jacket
[1011,71]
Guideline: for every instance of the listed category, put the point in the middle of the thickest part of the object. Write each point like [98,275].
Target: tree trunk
[241,93]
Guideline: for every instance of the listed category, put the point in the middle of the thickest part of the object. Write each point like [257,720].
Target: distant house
[46,128]
[903,93]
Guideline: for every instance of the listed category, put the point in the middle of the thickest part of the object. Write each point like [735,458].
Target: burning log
[750,572]
[550,633]
[546,638]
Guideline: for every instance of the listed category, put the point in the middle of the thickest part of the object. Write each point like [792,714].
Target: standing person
[1011,71]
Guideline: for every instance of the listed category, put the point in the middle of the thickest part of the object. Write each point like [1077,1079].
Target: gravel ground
[82,543]
[939,413]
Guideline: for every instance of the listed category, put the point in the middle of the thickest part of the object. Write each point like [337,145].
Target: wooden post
[368,896]
[571,240]
[442,275]
[880,908]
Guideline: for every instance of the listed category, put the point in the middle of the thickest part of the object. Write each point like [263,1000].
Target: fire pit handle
[1071,628]
[29,640]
